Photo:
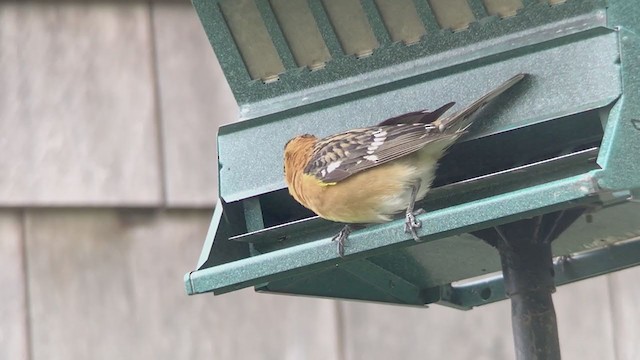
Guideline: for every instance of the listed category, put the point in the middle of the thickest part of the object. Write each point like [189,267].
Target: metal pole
[528,277]
[527,268]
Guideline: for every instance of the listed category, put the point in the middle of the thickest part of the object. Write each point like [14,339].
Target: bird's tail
[461,120]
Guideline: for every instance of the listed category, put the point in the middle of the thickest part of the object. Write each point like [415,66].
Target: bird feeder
[549,176]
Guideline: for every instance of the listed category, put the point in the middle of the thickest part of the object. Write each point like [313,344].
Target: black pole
[527,268]
[528,277]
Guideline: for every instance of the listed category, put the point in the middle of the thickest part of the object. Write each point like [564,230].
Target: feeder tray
[557,154]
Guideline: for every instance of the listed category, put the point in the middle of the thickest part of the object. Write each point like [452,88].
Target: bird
[370,175]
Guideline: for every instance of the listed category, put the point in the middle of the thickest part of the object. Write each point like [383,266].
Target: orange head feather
[297,153]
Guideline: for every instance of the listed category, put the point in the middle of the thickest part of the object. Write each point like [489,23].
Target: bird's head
[297,153]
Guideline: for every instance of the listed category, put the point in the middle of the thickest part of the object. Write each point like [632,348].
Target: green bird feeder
[543,192]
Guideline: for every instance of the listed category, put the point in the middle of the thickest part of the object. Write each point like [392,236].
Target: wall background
[108,116]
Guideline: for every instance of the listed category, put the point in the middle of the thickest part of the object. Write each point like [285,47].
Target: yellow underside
[371,196]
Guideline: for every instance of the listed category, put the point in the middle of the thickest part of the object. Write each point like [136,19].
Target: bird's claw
[411,223]
[341,238]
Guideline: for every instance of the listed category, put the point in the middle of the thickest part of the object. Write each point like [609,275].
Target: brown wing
[337,157]
[462,119]
[418,117]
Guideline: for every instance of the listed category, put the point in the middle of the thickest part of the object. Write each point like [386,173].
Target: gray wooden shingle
[195,101]
[76,105]
[392,332]
[585,326]
[108,285]
[13,312]
[385,332]
[625,300]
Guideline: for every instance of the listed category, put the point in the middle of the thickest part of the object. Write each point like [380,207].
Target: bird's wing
[337,157]
[462,119]
[418,117]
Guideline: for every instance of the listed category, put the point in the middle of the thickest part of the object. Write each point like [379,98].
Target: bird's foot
[411,223]
[341,238]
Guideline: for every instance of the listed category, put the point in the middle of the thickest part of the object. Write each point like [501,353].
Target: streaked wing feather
[418,117]
[337,157]
[408,118]
[462,119]
[340,156]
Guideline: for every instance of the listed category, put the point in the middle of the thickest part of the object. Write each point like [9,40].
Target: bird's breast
[371,196]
